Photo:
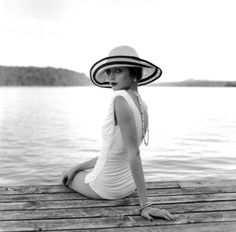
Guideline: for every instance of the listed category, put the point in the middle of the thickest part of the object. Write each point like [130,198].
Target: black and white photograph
[117,115]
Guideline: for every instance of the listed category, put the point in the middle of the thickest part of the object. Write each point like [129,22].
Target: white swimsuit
[111,177]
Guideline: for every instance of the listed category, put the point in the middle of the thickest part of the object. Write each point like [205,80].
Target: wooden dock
[197,206]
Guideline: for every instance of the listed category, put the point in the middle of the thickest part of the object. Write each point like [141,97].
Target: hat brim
[99,77]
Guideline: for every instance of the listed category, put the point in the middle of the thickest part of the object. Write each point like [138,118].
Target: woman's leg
[78,184]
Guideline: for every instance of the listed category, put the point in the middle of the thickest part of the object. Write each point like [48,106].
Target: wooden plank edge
[206,183]
[122,202]
[77,196]
[39,214]
[23,189]
[196,227]
[121,221]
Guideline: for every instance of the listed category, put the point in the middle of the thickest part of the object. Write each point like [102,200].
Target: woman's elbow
[134,155]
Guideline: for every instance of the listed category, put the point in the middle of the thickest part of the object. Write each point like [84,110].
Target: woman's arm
[126,123]
[70,174]
[86,165]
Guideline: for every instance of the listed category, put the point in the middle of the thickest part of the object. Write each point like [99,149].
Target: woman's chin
[116,88]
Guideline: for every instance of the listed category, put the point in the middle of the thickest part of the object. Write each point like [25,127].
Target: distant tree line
[36,76]
[197,83]
[49,76]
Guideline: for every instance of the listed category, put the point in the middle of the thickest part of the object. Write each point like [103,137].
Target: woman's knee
[78,181]
[78,184]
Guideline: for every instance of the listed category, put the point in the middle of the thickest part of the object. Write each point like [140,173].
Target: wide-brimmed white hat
[123,56]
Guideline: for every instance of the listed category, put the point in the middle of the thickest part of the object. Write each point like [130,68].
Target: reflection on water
[45,130]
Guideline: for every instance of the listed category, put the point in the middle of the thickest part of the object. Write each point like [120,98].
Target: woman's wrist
[76,169]
[147,204]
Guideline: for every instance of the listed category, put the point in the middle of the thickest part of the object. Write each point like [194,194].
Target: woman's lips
[113,83]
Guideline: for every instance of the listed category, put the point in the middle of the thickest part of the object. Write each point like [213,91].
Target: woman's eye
[108,72]
[118,70]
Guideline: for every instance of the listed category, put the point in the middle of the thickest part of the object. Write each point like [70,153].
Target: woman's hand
[148,212]
[70,173]
[68,176]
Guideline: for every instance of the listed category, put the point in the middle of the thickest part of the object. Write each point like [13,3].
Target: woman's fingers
[69,181]
[168,215]
[155,212]
[64,180]
[147,216]
[67,178]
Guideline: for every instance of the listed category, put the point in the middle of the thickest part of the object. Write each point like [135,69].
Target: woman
[117,171]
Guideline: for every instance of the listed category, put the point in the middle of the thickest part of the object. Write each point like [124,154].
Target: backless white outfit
[111,177]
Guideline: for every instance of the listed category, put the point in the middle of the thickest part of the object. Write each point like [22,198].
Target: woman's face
[119,78]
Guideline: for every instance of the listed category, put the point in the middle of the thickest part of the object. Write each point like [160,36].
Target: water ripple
[43,132]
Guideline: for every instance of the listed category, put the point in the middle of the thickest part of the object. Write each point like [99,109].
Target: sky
[188,39]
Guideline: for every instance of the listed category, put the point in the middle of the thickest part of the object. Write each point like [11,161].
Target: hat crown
[123,51]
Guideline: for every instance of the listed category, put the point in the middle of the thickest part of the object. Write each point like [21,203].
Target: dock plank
[207,183]
[199,227]
[20,205]
[178,208]
[152,192]
[197,206]
[114,222]
[61,189]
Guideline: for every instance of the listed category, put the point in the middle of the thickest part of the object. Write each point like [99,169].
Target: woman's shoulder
[121,94]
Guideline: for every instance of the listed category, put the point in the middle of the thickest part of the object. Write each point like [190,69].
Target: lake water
[43,131]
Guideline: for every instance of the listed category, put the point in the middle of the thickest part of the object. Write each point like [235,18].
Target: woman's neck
[133,88]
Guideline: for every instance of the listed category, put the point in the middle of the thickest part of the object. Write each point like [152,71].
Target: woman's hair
[136,72]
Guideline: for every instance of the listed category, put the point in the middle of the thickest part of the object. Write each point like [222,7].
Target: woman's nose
[112,76]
